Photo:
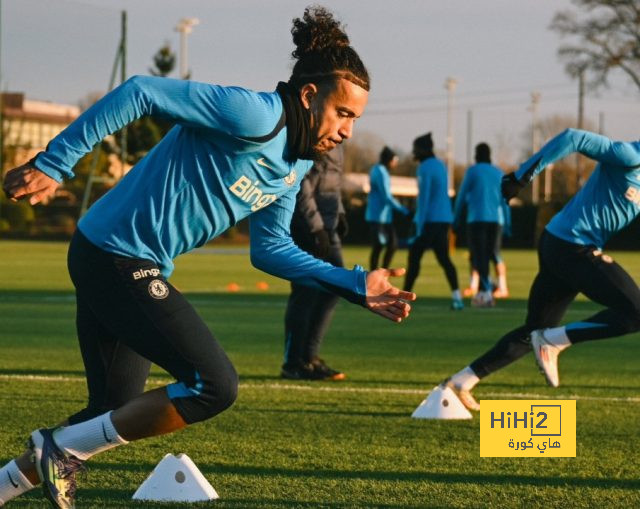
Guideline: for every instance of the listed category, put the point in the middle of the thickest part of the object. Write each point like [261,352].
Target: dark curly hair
[323,52]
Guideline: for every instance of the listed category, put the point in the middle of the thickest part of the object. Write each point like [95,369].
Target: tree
[605,36]
[164,61]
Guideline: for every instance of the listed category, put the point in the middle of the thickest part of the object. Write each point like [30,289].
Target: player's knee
[210,396]
[219,398]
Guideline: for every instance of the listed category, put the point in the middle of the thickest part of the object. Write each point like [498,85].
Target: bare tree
[605,35]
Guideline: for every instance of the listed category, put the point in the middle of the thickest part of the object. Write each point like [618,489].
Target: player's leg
[392,245]
[440,244]
[502,292]
[604,281]
[474,278]
[297,322]
[153,319]
[480,241]
[549,299]
[115,375]
[322,308]
[416,250]
[378,241]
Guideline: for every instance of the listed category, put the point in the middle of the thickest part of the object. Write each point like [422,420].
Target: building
[28,125]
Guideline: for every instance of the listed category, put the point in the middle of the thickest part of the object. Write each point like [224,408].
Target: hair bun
[316,32]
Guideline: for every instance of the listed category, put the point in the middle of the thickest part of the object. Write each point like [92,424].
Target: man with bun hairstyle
[233,152]
[432,219]
[380,207]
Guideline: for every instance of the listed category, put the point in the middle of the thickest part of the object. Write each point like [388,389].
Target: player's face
[334,110]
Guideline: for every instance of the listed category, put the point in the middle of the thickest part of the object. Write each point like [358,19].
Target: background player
[432,219]
[571,261]
[380,207]
[318,226]
[480,200]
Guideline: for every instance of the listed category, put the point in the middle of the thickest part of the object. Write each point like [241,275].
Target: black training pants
[567,269]
[129,315]
[433,236]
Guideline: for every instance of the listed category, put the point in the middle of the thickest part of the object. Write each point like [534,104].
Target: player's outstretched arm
[27,181]
[386,300]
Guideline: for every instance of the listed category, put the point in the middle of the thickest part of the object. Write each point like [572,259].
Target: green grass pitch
[348,444]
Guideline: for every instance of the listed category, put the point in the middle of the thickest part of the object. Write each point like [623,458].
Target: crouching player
[233,152]
[571,261]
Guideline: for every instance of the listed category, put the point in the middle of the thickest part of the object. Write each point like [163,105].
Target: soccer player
[480,199]
[572,261]
[433,218]
[232,153]
[380,207]
[318,226]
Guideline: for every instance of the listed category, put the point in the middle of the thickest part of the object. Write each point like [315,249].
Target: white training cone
[441,403]
[176,479]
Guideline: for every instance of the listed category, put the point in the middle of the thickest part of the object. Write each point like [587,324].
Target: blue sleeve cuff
[43,162]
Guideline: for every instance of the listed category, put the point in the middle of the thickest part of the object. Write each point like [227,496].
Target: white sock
[456,295]
[557,336]
[474,281]
[88,438]
[465,379]
[12,482]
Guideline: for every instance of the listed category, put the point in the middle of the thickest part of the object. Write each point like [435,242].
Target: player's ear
[307,94]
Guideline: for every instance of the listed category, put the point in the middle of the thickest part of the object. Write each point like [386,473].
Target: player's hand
[342,229]
[27,181]
[321,244]
[385,299]
[511,186]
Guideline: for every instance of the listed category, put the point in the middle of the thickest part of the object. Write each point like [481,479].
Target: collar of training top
[298,122]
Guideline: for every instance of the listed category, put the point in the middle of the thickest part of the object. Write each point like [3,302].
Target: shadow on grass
[309,411]
[369,475]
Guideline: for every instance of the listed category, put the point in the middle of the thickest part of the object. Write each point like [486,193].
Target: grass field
[349,444]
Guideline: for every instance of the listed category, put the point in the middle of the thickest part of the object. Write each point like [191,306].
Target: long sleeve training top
[609,200]
[226,158]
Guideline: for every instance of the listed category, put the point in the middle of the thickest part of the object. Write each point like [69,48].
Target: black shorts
[129,315]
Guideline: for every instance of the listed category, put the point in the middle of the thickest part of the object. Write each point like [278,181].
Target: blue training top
[609,200]
[434,205]
[381,203]
[480,195]
[225,159]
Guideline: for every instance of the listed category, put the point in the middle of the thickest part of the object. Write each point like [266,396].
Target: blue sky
[498,50]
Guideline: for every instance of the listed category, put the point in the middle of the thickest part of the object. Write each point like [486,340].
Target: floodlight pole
[450,85]
[185,27]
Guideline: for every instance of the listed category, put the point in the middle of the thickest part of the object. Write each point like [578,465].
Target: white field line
[369,390]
